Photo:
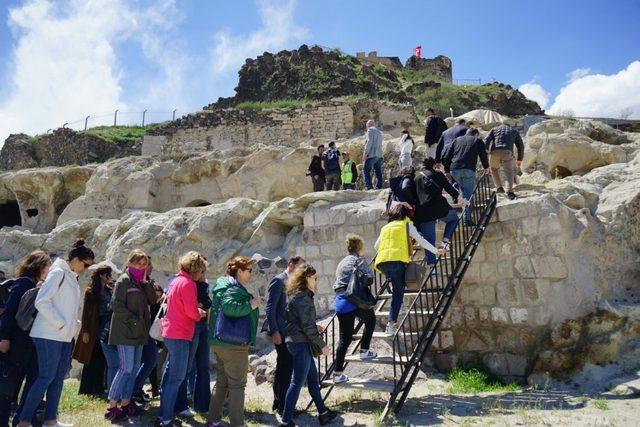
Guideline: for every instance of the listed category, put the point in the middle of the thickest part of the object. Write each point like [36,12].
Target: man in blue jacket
[274,327]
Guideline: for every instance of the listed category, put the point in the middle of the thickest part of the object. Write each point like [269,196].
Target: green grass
[600,403]
[73,403]
[477,379]
[285,103]
[119,134]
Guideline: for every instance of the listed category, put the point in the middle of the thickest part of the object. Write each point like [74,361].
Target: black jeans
[282,376]
[347,322]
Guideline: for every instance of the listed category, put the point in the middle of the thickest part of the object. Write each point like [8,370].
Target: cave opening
[10,214]
[32,212]
[198,204]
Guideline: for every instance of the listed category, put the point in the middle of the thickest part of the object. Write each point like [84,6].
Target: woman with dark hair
[129,332]
[233,327]
[406,146]
[394,248]
[88,350]
[432,206]
[16,347]
[304,342]
[54,328]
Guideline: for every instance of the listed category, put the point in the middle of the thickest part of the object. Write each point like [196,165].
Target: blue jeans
[199,379]
[128,364]
[182,402]
[175,373]
[466,179]
[394,270]
[428,231]
[376,164]
[304,370]
[54,361]
[148,364]
[111,357]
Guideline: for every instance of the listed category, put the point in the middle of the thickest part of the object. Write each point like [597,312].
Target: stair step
[384,360]
[361,383]
[411,294]
[385,313]
[383,335]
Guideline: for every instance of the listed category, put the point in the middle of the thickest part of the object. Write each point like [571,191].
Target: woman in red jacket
[178,327]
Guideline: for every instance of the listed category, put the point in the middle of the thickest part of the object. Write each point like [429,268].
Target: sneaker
[368,354]
[500,190]
[187,413]
[327,417]
[511,195]
[289,424]
[140,398]
[59,424]
[391,329]
[340,378]
[114,414]
[444,245]
[131,410]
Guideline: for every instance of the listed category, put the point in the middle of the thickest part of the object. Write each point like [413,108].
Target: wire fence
[122,118]
[467,82]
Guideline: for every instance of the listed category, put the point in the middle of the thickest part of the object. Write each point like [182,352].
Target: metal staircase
[418,326]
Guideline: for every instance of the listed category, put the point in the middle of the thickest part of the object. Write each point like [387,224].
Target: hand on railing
[487,171]
[320,329]
[326,350]
[464,201]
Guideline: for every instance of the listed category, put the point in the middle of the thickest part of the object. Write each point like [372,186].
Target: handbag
[358,290]
[155,331]
[414,273]
[233,330]
[8,378]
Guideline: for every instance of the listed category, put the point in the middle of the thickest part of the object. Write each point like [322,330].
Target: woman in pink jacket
[178,327]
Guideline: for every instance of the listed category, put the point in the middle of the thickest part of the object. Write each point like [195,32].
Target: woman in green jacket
[237,312]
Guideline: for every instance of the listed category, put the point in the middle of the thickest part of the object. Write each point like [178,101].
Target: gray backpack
[27,311]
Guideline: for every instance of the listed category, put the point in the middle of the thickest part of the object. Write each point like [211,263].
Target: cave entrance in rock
[10,214]
[198,203]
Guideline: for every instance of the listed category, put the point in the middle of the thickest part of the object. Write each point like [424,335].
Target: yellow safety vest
[394,243]
[347,175]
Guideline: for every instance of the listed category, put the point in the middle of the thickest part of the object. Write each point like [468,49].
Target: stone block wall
[225,129]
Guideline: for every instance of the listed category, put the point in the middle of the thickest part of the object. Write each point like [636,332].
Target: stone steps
[361,383]
[383,360]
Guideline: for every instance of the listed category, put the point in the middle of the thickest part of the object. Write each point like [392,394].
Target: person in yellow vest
[349,173]
[394,248]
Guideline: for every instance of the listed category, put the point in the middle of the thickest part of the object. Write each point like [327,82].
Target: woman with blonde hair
[304,342]
[16,345]
[129,332]
[178,328]
[233,328]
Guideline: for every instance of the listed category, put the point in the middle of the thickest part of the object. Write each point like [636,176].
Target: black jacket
[504,137]
[315,167]
[301,320]
[431,203]
[8,325]
[203,298]
[464,153]
[433,130]
[447,138]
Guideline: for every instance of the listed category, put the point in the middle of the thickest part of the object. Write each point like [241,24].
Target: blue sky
[61,60]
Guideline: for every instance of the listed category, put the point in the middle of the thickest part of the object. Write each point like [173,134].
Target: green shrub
[477,379]
[120,135]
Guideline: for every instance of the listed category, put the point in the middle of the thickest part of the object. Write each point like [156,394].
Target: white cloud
[535,92]
[277,31]
[578,73]
[64,62]
[599,95]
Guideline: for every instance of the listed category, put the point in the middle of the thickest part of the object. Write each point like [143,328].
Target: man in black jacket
[460,162]
[447,137]
[274,326]
[500,142]
[316,171]
[434,126]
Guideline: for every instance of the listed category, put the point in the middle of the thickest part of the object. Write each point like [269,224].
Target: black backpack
[332,160]
[396,194]
[27,310]
[5,288]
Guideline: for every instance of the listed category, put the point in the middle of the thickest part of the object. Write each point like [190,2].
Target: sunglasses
[87,264]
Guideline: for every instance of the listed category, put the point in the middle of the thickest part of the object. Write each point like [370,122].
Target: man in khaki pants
[500,143]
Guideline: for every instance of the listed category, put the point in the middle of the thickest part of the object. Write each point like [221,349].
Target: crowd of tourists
[454,151]
[133,330]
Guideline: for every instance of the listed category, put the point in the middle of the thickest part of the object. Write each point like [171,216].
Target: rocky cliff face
[62,147]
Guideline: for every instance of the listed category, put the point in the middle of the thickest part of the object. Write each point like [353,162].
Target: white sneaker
[368,354]
[59,424]
[391,329]
[340,378]
[187,413]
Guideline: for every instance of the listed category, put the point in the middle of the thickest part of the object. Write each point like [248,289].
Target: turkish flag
[417,52]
